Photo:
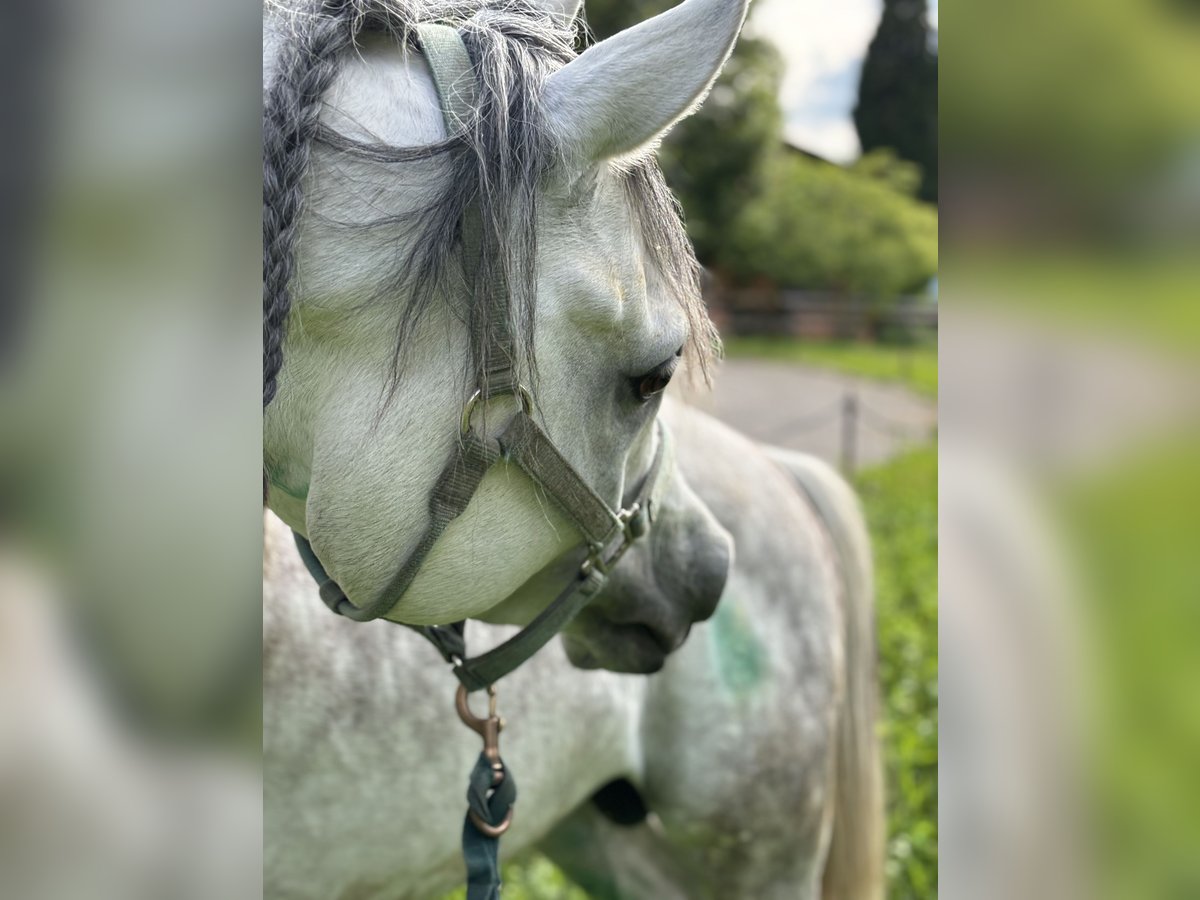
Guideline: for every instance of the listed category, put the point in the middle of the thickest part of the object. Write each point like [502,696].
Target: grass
[915,367]
[532,878]
[1149,297]
[1133,531]
[900,502]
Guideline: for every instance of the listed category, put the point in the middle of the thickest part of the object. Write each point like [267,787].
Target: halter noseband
[608,533]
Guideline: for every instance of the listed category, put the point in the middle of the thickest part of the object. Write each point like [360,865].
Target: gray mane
[498,164]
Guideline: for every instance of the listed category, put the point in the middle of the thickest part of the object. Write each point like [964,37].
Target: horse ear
[624,94]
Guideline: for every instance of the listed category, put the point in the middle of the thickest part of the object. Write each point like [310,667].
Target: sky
[823,44]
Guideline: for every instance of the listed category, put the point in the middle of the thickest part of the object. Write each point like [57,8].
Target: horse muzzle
[663,586]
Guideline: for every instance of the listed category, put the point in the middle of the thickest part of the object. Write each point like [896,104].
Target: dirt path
[804,408]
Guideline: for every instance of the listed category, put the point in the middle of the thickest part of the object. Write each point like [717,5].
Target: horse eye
[652,384]
[655,381]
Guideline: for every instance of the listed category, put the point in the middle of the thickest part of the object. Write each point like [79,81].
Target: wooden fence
[819,316]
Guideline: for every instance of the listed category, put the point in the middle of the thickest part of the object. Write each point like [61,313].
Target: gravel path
[804,408]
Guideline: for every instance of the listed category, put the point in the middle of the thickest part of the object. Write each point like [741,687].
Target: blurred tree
[1105,94]
[856,230]
[716,160]
[898,93]
[758,210]
[606,17]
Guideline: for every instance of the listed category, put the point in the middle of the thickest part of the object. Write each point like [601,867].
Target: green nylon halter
[607,533]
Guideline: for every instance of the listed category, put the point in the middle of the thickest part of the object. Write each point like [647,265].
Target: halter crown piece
[608,533]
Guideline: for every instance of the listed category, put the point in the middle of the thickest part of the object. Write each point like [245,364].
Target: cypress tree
[897,95]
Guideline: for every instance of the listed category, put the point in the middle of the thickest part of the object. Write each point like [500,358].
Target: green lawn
[533,878]
[913,366]
[900,501]
[1133,530]
[1148,297]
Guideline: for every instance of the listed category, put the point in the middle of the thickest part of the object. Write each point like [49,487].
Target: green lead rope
[492,803]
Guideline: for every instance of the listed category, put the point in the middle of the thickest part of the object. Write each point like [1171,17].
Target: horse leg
[611,861]
[617,862]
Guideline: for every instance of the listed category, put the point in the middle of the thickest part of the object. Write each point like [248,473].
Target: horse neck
[317,667]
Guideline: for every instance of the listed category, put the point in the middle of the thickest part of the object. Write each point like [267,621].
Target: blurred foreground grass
[900,501]
[915,366]
[1147,296]
[1135,531]
[532,878]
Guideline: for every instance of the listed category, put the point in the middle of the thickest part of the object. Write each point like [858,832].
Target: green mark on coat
[740,662]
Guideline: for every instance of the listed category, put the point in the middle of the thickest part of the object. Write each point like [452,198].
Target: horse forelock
[497,164]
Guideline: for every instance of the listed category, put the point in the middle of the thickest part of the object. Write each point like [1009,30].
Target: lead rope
[491,789]
[491,793]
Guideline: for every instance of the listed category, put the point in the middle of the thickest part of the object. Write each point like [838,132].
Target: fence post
[849,431]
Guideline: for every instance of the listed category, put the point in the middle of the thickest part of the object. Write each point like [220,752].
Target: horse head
[387,279]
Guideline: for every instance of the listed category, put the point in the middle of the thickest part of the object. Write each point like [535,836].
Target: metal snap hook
[489,729]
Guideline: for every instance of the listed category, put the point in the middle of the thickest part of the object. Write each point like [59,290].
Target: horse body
[733,746]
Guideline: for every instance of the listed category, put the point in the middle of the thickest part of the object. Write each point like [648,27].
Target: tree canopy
[1103,93]
[898,93]
[853,230]
[759,211]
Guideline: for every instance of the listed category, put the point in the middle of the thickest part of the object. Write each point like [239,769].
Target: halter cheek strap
[607,533]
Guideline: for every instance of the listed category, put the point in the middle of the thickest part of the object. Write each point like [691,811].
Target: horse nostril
[670,639]
[660,637]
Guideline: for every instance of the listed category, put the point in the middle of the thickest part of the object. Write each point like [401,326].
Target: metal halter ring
[524,398]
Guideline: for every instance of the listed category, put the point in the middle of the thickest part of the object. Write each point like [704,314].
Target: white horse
[753,748]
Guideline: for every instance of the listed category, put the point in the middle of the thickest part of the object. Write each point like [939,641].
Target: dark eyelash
[656,380]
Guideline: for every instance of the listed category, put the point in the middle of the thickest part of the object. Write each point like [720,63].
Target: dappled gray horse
[747,767]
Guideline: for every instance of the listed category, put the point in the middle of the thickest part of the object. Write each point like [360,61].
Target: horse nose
[709,573]
[679,639]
